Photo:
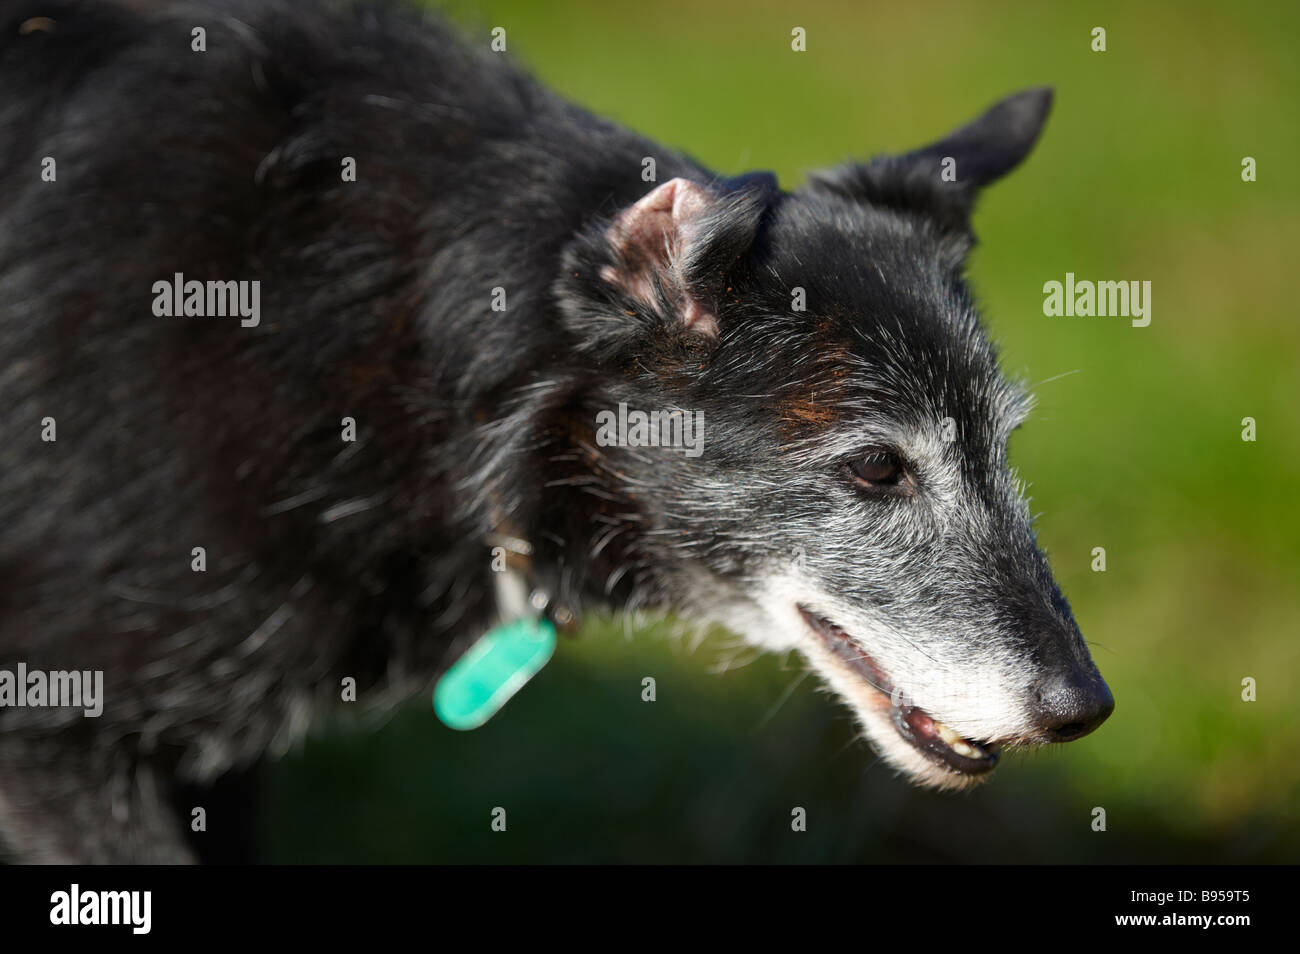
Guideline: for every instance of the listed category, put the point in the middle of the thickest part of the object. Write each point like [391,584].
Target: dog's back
[129,440]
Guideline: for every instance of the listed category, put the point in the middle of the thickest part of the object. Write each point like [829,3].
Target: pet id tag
[480,682]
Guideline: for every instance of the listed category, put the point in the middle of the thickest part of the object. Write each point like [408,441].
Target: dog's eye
[881,471]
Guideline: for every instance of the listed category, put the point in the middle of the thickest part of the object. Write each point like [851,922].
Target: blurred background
[1135,446]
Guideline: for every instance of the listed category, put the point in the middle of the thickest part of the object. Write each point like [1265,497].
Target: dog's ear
[942,180]
[663,261]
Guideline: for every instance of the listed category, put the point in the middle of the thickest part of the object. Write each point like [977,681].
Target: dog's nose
[1071,704]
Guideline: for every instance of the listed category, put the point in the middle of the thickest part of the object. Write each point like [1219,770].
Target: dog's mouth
[918,728]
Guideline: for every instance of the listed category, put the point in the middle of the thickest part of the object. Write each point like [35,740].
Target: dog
[433,278]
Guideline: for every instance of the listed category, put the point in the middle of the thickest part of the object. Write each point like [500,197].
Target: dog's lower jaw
[773,619]
[873,712]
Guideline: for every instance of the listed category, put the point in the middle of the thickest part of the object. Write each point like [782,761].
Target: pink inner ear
[651,237]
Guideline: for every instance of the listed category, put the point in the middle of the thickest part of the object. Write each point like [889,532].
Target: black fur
[369,560]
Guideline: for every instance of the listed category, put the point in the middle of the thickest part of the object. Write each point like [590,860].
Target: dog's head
[851,497]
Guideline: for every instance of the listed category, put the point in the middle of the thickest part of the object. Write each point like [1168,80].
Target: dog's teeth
[947,734]
[969,751]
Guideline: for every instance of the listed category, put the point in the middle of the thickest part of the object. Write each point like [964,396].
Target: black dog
[306,308]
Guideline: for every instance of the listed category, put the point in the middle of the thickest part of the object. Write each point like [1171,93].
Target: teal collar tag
[502,661]
[496,667]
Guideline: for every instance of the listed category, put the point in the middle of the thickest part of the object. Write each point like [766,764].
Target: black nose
[1072,704]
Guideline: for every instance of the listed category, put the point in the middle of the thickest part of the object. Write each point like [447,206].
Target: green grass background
[1135,446]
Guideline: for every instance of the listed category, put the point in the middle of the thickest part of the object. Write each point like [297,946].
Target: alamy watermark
[35,688]
[195,299]
[1086,299]
[677,428]
[133,909]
